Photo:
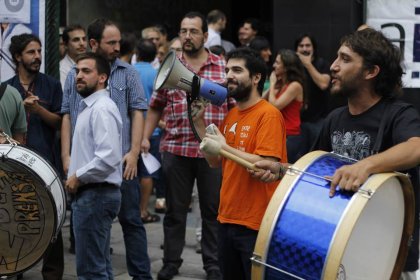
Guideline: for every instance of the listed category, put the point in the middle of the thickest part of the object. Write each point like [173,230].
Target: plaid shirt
[178,138]
[125,89]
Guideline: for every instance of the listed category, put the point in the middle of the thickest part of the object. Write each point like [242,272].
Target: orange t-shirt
[257,130]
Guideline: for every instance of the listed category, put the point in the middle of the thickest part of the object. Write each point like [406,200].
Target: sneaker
[214,274]
[167,272]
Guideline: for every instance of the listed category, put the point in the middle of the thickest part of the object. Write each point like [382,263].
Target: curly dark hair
[19,42]
[376,49]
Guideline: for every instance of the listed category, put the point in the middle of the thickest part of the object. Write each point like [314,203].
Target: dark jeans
[300,145]
[135,240]
[158,183]
[53,261]
[180,174]
[236,245]
[94,209]
[158,180]
[71,238]
[294,147]
[310,132]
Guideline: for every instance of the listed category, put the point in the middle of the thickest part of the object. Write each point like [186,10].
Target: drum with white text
[32,208]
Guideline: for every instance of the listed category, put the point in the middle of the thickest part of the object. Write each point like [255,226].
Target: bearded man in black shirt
[376,129]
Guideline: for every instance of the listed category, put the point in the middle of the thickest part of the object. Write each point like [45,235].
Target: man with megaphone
[182,161]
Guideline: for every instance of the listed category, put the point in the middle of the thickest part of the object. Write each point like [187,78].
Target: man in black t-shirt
[317,79]
[316,96]
[368,73]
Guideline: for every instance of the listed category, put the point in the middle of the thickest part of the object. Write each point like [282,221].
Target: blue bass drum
[307,235]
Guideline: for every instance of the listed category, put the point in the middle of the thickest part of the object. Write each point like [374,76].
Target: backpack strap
[388,115]
[3,87]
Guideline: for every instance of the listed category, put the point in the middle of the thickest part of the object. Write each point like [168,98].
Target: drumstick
[214,148]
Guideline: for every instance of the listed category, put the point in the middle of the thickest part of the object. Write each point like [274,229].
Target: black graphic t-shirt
[354,136]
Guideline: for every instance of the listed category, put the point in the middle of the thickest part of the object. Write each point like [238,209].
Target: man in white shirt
[74,39]
[95,172]
[216,21]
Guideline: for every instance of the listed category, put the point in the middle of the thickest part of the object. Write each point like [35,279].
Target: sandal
[150,218]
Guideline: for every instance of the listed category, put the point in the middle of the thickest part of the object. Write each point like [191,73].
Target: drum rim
[281,193]
[346,225]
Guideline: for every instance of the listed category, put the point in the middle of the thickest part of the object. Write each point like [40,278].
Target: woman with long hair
[286,94]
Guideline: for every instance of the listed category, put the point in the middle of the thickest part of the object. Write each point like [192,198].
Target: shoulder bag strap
[2,89]
[380,135]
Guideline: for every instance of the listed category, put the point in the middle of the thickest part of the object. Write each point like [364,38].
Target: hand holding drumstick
[213,145]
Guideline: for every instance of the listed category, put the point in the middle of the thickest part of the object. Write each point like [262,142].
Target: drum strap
[380,135]
[2,89]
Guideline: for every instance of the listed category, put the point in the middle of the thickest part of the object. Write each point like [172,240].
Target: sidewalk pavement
[192,267]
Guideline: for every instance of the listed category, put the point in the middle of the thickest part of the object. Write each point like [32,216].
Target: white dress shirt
[65,66]
[214,38]
[96,154]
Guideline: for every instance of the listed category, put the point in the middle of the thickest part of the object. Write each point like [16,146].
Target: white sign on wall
[15,11]
[399,20]
[17,17]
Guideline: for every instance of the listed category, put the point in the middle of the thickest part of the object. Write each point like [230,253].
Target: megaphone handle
[195,87]
[238,160]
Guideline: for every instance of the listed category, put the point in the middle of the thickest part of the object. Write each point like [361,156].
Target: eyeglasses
[193,32]
[176,49]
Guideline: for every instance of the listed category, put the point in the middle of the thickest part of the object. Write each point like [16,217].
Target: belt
[90,186]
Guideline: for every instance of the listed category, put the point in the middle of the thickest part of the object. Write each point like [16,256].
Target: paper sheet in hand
[151,163]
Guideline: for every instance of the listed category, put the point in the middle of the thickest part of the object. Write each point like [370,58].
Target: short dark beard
[346,92]
[108,57]
[241,93]
[27,67]
[86,91]
[350,88]
[192,51]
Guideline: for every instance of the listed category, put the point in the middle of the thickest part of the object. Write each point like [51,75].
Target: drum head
[27,217]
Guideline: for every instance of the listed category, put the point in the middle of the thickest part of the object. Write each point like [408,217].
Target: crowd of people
[95,122]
